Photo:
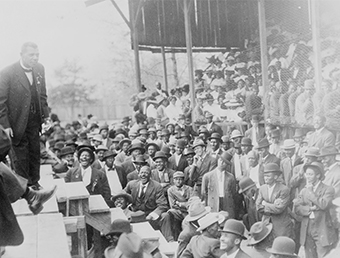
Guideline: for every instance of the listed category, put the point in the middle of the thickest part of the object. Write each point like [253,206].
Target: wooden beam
[263,46]
[188,38]
[165,74]
[121,13]
[315,19]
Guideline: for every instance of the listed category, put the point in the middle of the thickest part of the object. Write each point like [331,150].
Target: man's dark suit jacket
[98,184]
[270,158]
[15,98]
[153,201]
[182,163]
[128,165]
[215,129]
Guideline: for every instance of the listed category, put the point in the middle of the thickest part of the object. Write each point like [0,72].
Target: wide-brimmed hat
[66,150]
[124,141]
[209,220]
[258,232]
[288,144]
[178,174]
[103,127]
[120,226]
[272,168]
[101,148]
[235,134]
[245,184]
[160,155]
[216,136]
[137,146]
[315,164]
[299,132]
[130,245]
[196,211]
[109,153]
[226,157]
[198,142]
[235,227]
[204,130]
[328,151]
[124,194]
[152,144]
[188,151]
[283,246]
[246,142]
[263,143]
[313,152]
[140,160]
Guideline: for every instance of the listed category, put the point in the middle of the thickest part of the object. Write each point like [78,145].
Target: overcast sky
[63,29]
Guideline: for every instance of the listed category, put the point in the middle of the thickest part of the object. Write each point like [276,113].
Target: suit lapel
[22,77]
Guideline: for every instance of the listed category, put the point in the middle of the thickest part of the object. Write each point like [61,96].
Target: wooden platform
[44,237]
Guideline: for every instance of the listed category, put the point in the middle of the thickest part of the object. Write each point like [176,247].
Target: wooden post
[315,19]
[263,46]
[188,39]
[136,54]
[165,74]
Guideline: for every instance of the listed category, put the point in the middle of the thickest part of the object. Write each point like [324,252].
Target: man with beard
[115,174]
[205,245]
[232,235]
[147,196]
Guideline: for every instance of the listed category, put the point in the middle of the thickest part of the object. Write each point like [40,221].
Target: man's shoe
[36,199]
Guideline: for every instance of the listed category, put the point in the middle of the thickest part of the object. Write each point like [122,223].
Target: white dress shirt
[113,179]
[86,175]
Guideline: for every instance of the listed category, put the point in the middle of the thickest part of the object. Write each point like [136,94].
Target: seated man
[147,196]
[123,200]
[178,196]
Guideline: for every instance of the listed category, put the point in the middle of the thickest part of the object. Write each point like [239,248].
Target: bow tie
[27,70]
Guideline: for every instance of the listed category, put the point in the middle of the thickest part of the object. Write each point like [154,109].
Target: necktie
[142,192]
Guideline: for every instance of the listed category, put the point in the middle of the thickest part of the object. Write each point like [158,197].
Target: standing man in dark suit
[23,108]
[178,161]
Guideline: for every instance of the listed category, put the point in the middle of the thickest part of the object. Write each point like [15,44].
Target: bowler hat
[283,246]
[178,174]
[216,136]
[137,146]
[258,232]
[209,220]
[288,144]
[272,168]
[188,151]
[65,151]
[245,184]
[166,150]
[160,155]
[198,142]
[263,143]
[120,226]
[109,153]
[226,157]
[152,144]
[180,143]
[124,194]
[5,143]
[312,151]
[235,134]
[299,132]
[328,151]
[235,227]
[140,160]
[203,130]
[124,141]
[196,211]
[246,142]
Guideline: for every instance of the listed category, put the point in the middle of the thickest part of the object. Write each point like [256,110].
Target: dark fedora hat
[138,216]
[245,184]
[140,160]
[216,136]
[180,143]
[152,144]
[226,157]
[272,168]
[66,150]
[258,232]
[318,166]
[283,245]
[263,143]
[328,151]
[235,227]
[137,146]
[86,144]
[160,155]
[109,153]
[124,194]
[188,151]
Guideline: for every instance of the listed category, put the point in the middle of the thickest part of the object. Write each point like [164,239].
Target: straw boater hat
[235,134]
[258,232]
[209,220]
[283,246]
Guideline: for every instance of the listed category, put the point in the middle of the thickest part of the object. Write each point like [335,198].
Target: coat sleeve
[43,94]
[322,202]
[187,253]
[280,203]
[162,204]
[68,176]
[4,91]
[259,200]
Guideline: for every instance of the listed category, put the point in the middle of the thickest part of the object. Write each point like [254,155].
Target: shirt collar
[22,65]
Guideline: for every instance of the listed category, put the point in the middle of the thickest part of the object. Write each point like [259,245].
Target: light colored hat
[178,174]
[196,211]
[235,134]
[101,148]
[209,220]
[288,144]
[198,142]
[233,103]
[98,138]
[258,232]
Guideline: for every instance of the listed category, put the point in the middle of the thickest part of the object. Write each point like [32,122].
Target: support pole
[165,74]
[315,19]
[188,40]
[263,46]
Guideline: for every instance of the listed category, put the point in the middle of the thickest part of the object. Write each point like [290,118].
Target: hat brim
[272,251]
[252,241]
[245,189]
[67,153]
[262,146]
[126,196]
[193,218]
[220,219]
[329,154]
[232,232]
